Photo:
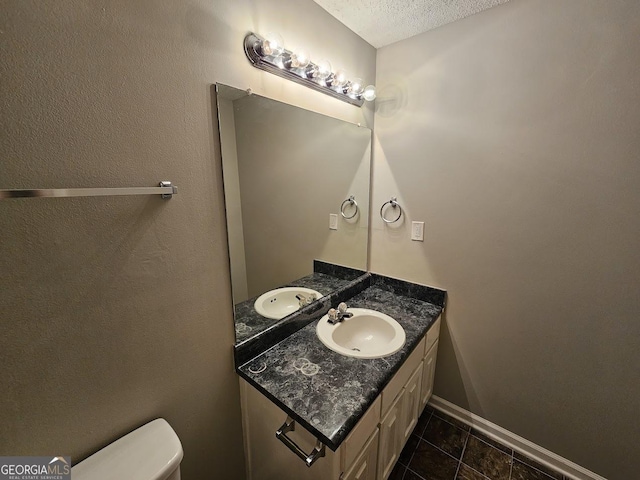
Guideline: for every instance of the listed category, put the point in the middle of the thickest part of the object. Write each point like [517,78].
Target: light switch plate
[333,221]
[417,231]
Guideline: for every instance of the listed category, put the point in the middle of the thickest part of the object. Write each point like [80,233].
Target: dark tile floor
[443,448]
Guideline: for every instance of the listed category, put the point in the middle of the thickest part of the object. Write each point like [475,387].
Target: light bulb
[356,86]
[273,45]
[369,93]
[324,70]
[339,78]
[300,58]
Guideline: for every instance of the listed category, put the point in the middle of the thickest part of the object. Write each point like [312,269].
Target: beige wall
[295,168]
[118,310]
[232,200]
[514,135]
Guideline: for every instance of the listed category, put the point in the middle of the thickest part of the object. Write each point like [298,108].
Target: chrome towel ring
[394,204]
[349,201]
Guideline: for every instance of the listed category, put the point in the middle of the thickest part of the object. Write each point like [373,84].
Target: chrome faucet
[305,300]
[337,316]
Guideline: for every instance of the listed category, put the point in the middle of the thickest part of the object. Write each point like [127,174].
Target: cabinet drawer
[401,377]
[432,335]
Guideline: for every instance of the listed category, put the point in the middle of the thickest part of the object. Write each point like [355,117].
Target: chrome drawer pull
[289,426]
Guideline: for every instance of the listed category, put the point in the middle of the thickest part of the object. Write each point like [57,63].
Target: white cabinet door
[357,440]
[391,435]
[365,466]
[411,404]
[428,373]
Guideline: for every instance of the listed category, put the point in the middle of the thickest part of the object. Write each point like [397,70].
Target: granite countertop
[330,402]
[249,322]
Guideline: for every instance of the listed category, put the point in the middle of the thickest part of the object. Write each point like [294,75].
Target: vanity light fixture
[270,55]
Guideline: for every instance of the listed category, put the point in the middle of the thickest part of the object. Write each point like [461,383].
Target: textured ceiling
[381,22]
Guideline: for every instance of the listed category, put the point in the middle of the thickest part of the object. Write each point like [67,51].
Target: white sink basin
[281,302]
[368,334]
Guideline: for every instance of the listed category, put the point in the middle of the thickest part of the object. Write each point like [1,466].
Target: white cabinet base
[372,448]
[365,466]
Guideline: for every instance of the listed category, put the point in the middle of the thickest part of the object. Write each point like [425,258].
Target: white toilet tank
[152,452]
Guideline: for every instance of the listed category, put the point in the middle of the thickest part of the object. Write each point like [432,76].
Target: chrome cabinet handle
[309,459]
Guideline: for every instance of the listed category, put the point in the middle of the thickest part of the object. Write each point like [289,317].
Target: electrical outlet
[333,221]
[417,231]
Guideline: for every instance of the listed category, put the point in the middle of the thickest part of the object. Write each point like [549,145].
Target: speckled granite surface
[265,339]
[330,403]
[249,322]
[338,271]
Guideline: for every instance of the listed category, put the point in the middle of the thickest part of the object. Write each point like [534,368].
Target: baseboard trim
[522,445]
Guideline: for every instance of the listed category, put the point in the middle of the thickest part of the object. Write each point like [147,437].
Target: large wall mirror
[297,202]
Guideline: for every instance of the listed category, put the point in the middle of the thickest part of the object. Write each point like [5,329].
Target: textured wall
[514,135]
[115,311]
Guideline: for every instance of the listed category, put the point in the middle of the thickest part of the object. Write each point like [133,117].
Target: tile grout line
[512,454]
[450,422]
[414,451]
[441,450]
[534,468]
[469,432]
[464,447]
[476,471]
[488,444]
[511,466]
[414,472]
[453,425]
[525,460]
[493,446]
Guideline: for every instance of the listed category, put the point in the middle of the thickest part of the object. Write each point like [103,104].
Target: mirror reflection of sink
[281,302]
[367,334]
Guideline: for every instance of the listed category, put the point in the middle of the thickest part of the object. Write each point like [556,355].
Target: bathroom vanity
[311,409]
[350,416]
